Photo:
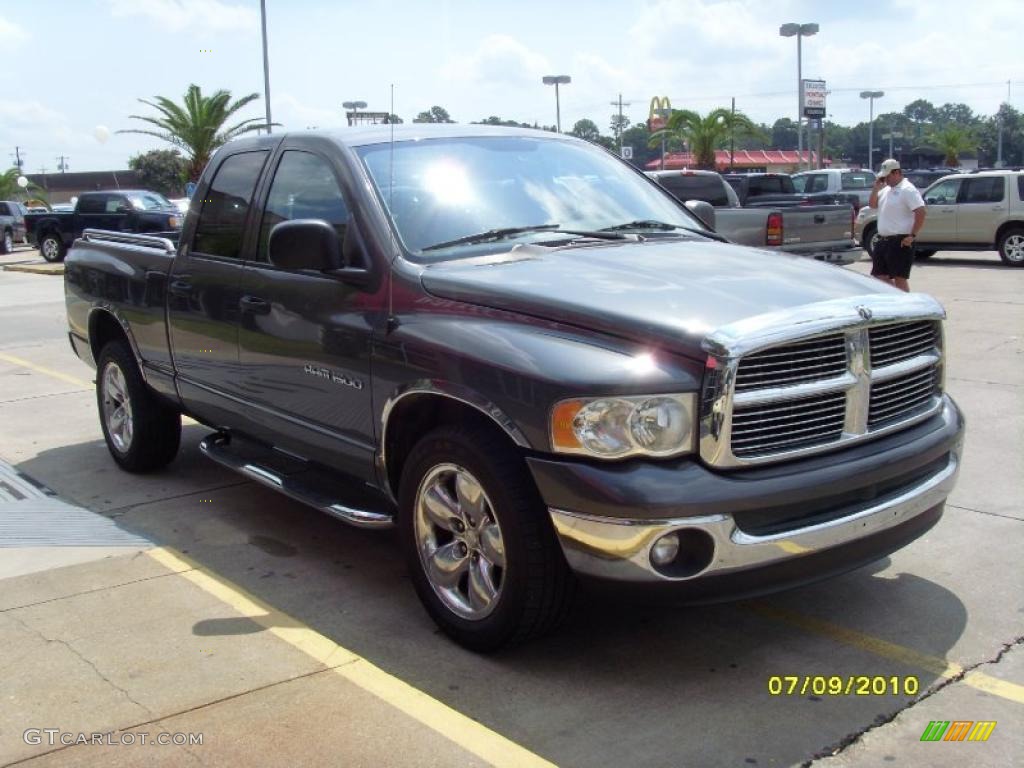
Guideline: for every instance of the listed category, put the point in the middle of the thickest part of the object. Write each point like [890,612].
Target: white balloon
[22,182]
[102,133]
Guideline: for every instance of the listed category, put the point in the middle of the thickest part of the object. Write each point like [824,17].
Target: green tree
[586,129]
[638,137]
[196,126]
[434,115]
[162,170]
[953,141]
[783,134]
[704,134]
[9,189]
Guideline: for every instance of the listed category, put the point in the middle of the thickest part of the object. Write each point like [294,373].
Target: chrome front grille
[902,396]
[793,363]
[858,371]
[893,343]
[787,425]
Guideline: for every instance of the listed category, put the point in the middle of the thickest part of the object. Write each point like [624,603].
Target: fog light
[665,549]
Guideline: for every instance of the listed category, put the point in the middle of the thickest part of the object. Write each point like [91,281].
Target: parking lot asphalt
[191,602]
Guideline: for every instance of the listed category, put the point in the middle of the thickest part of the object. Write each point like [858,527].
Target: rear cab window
[707,188]
[225,207]
[857,180]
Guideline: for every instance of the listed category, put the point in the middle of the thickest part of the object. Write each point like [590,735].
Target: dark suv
[12,225]
[923,177]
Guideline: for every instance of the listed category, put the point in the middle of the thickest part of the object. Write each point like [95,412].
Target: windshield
[525,188]
[149,201]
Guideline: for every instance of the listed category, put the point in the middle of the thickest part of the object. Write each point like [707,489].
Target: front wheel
[51,246]
[1011,247]
[478,541]
[7,244]
[924,253]
[142,434]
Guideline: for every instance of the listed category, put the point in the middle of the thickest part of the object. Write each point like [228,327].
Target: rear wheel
[924,253]
[7,244]
[478,541]
[869,239]
[142,434]
[51,246]
[1011,247]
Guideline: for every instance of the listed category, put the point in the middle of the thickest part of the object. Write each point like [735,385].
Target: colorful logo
[958,730]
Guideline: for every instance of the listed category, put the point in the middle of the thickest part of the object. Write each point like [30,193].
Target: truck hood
[669,291]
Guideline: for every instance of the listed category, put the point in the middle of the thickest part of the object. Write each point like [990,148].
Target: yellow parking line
[454,726]
[879,647]
[45,371]
[64,377]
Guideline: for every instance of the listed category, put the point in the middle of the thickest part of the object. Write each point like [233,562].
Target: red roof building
[770,160]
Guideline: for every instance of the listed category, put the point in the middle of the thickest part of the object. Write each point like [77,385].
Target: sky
[74,66]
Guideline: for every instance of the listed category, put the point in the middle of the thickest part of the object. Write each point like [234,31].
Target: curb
[38,269]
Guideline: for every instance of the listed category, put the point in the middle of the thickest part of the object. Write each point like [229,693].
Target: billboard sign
[813,98]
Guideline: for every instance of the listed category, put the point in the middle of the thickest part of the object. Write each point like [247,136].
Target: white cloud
[11,35]
[499,60]
[176,15]
[296,115]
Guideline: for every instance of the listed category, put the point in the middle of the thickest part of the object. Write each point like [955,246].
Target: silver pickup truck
[822,232]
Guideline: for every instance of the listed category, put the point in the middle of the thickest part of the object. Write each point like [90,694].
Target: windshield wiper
[500,234]
[664,226]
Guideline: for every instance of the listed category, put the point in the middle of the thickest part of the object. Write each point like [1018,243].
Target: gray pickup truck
[823,232]
[533,361]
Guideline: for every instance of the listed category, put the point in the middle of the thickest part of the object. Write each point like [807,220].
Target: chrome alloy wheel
[459,541]
[1013,247]
[51,249]
[117,407]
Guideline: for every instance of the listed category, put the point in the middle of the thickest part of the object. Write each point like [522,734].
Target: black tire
[924,253]
[867,239]
[52,248]
[1011,247]
[7,242]
[534,585]
[153,431]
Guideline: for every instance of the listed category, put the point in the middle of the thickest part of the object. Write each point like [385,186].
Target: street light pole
[871,96]
[266,62]
[799,31]
[557,80]
[355,106]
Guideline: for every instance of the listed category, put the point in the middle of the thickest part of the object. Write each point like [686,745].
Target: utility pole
[999,148]
[732,142]
[62,163]
[266,62]
[19,161]
[620,103]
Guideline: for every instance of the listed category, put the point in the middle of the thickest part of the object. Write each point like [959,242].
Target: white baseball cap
[888,167]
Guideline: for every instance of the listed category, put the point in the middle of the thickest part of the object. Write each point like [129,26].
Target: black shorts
[891,258]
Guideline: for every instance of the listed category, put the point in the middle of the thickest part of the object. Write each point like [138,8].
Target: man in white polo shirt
[901,215]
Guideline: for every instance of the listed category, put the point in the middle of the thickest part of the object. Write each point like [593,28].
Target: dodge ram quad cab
[536,363]
[123,210]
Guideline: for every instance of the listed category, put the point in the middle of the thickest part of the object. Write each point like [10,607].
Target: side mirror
[304,244]
[703,211]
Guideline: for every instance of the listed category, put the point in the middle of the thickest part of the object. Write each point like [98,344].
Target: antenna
[391,214]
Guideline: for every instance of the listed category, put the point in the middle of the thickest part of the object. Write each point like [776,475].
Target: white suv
[966,212]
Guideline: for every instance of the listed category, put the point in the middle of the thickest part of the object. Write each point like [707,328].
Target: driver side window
[304,187]
[943,193]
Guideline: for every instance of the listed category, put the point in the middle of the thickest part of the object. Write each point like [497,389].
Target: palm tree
[953,141]
[704,134]
[197,125]
[9,189]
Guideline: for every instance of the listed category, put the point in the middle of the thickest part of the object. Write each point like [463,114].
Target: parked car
[12,224]
[127,210]
[756,190]
[823,232]
[965,212]
[836,181]
[181,203]
[61,208]
[531,360]
[922,178]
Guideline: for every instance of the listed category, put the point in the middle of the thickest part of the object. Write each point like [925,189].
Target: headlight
[173,222]
[617,427]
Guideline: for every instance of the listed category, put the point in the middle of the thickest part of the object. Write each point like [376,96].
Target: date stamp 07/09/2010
[843,685]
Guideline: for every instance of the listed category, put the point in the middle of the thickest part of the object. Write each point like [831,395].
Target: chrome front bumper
[620,550]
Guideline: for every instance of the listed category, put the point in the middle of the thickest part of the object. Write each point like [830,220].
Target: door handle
[180,288]
[254,305]
[819,218]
